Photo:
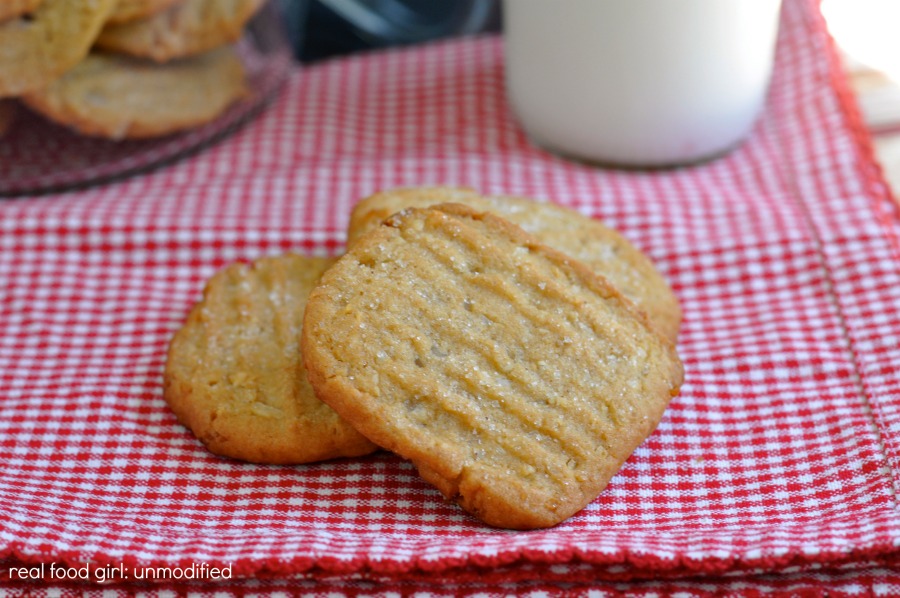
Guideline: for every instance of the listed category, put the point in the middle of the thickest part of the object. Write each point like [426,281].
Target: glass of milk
[641,83]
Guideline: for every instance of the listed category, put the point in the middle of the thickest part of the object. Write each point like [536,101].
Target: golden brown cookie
[187,28]
[512,376]
[132,10]
[234,374]
[582,237]
[121,97]
[14,8]
[52,39]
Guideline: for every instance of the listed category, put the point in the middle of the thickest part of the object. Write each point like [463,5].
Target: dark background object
[323,28]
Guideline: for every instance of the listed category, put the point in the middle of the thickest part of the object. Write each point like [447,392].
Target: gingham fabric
[772,471]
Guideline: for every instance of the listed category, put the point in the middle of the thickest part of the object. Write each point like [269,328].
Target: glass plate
[39,156]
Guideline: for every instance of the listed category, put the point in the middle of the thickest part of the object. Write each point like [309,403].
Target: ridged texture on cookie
[52,39]
[132,10]
[14,8]
[584,238]
[234,375]
[512,376]
[121,97]
[187,28]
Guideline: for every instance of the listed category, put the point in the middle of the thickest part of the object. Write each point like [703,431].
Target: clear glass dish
[38,156]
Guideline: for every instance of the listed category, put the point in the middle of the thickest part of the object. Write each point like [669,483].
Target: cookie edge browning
[126,12]
[370,211]
[475,498]
[11,11]
[374,209]
[161,37]
[194,414]
[480,499]
[55,105]
[667,321]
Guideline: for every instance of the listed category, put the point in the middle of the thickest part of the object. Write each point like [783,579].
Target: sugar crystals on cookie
[513,377]
[233,373]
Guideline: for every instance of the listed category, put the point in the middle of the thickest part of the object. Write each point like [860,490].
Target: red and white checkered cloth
[773,470]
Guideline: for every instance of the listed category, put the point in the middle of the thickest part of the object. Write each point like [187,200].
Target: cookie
[121,97]
[14,8]
[133,10]
[513,377]
[234,375]
[582,237]
[186,28]
[38,47]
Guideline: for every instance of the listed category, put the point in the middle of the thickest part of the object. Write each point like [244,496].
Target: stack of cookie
[515,352]
[124,68]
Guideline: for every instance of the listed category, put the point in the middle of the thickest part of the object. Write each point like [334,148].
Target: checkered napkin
[774,467]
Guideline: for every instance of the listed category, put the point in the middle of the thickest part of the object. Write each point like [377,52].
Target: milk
[639,82]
